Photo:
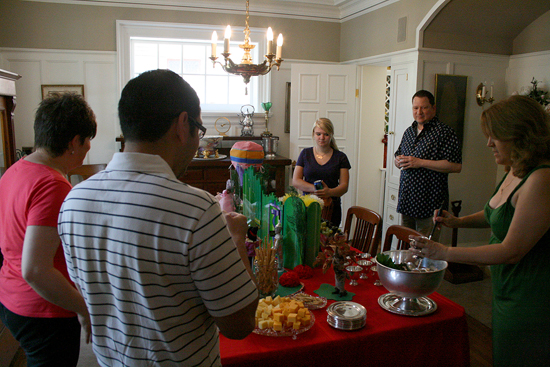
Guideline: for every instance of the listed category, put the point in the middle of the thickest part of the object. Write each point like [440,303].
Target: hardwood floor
[481,343]
[19,359]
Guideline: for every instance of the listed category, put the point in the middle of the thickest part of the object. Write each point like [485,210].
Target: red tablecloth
[438,339]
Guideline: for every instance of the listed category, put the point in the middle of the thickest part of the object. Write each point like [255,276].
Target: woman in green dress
[518,132]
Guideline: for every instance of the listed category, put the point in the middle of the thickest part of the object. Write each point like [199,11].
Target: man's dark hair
[150,102]
[61,117]
[425,94]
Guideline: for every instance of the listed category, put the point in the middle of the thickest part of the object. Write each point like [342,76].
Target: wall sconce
[481,94]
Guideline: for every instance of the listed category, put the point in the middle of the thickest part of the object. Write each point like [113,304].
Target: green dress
[521,296]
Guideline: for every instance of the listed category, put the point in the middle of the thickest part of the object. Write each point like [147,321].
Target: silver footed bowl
[409,284]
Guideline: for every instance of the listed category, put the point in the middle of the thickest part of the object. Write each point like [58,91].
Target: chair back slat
[367,229]
[401,233]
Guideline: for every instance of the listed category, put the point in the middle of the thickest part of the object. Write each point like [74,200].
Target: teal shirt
[521,295]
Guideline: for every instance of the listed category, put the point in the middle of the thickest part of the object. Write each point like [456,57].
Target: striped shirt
[155,262]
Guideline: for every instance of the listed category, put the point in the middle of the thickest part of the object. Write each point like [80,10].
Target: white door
[403,84]
[326,91]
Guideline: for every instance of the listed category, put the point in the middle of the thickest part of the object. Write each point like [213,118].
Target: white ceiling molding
[320,10]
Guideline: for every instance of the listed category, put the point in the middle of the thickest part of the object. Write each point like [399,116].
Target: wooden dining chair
[86,170]
[401,233]
[367,230]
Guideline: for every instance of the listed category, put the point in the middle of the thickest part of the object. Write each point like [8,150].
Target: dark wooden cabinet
[7,107]
[212,175]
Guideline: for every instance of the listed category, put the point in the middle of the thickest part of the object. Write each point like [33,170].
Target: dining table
[387,339]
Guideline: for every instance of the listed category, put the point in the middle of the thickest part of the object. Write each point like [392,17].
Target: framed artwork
[287,108]
[62,88]
[450,101]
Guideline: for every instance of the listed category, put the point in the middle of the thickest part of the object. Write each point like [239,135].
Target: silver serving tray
[407,306]
[345,315]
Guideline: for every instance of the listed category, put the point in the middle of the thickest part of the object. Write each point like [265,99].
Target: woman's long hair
[326,125]
[522,121]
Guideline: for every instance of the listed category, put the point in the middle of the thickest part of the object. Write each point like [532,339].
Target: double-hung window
[186,50]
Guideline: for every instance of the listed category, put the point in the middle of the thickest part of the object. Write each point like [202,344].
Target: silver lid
[346,310]
[346,315]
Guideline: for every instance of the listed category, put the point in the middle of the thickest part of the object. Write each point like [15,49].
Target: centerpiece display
[409,281]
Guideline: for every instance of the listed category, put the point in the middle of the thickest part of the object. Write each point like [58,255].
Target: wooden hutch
[211,175]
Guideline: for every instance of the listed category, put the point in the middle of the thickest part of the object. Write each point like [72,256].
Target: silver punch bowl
[408,289]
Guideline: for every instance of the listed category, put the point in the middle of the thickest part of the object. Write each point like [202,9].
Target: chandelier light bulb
[214,43]
[247,68]
[269,40]
[279,46]
[226,39]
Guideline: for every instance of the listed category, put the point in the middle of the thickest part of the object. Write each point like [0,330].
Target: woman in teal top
[518,132]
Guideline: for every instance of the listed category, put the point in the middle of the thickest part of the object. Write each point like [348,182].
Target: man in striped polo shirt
[161,268]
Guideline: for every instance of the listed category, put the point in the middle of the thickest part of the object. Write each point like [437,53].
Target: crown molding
[319,10]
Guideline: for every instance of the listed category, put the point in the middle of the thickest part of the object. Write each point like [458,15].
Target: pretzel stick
[265,257]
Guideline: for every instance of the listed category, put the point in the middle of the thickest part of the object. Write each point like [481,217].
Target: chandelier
[246,68]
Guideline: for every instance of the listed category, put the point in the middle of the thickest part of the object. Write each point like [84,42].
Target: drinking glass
[354,271]
[365,264]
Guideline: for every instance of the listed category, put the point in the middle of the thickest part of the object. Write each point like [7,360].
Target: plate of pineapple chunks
[282,316]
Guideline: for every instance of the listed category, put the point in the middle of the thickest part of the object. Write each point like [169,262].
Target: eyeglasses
[202,129]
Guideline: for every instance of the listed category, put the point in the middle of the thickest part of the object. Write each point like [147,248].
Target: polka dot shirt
[421,190]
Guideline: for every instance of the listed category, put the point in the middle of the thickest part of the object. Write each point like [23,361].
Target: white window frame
[126,30]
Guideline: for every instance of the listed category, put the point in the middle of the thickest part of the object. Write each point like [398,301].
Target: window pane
[197,82]
[190,58]
[194,59]
[216,70]
[145,57]
[237,54]
[236,91]
[170,57]
[217,89]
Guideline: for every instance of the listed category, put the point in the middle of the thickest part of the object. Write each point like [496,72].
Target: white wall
[371,149]
[522,68]
[520,72]
[95,70]
[475,184]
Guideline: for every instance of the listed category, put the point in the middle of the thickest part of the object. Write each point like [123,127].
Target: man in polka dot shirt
[428,152]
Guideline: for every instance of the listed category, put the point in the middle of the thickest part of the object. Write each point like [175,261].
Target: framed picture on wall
[62,88]
[450,101]
[287,108]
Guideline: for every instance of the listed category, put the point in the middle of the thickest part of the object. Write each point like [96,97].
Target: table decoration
[304,271]
[287,291]
[326,290]
[336,252]
[265,270]
[301,228]
[289,279]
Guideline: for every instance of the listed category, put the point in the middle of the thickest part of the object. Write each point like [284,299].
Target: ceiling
[493,18]
[488,18]
[323,10]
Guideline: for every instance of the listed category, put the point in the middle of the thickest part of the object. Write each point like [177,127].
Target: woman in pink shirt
[38,302]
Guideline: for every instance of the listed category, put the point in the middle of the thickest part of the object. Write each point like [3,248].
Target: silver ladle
[418,259]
